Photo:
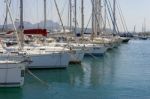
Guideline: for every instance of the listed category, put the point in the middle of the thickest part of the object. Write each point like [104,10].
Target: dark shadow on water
[11,93]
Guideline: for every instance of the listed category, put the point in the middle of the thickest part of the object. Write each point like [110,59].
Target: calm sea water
[123,73]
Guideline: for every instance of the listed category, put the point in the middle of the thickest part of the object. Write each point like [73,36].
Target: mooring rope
[37,78]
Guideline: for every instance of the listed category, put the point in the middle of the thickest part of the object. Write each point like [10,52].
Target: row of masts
[96,16]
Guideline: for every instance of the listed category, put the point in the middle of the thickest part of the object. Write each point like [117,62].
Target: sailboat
[45,56]
[142,36]
[42,56]
[95,48]
[12,71]
[111,40]
[12,65]
[85,43]
[76,54]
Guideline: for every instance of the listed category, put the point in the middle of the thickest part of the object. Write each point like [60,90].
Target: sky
[134,11]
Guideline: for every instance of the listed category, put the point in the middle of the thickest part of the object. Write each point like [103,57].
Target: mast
[105,16]
[82,18]
[59,16]
[12,20]
[134,29]
[45,18]
[144,25]
[21,27]
[70,6]
[99,16]
[75,9]
[114,16]
[93,18]
[21,15]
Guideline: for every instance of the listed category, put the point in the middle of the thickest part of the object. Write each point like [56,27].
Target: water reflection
[91,73]
[76,74]
[9,93]
[100,71]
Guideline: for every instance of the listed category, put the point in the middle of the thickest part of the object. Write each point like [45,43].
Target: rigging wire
[63,8]
[117,28]
[88,23]
[109,8]
[122,16]
[59,15]
[6,18]
[109,20]
[120,22]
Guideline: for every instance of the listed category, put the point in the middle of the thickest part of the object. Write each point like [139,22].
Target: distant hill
[51,25]
[27,25]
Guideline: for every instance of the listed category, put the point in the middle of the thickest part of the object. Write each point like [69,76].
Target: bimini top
[29,32]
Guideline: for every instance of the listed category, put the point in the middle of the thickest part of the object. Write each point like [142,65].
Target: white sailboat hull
[53,60]
[76,51]
[91,49]
[44,57]
[95,50]
[76,56]
[11,74]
